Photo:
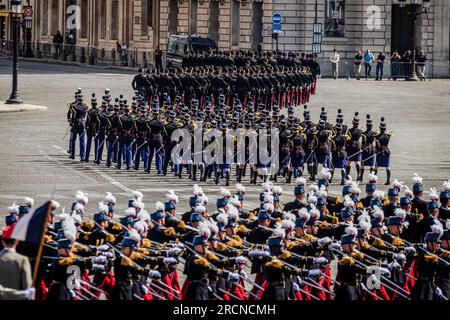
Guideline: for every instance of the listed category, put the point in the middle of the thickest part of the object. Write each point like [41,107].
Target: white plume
[279,233]
[200,209]
[171,196]
[287,224]
[304,214]
[325,173]
[373,178]
[109,198]
[433,195]
[240,187]
[138,205]
[277,190]
[300,181]
[130,212]
[29,201]
[203,230]
[400,213]
[138,195]
[269,207]
[437,228]
[416,179]
[159,206]
[348,202]
[14,209]
[103,207]
[55,205]
[313,188]
[351,231]
[134,235]
[141,226]
[225,192]
[222,218]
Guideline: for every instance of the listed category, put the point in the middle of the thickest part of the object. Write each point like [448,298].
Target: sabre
[370,292]
[67,132]
[92,286]
[137,297]
[246,291]
[304,291]
[319,287]
[168,287]
[214,294]
[88,292]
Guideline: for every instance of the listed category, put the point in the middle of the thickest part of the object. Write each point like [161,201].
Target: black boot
[358,170]
[194,173]
[239,177]
[343,176]
[347,171]
[217,177]
[289,177]
[388,179]
[361,175]
[255,176]
[227,177]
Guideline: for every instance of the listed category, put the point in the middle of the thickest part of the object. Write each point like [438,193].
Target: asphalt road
[33,161]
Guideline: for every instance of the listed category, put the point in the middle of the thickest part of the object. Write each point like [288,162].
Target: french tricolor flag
[30,227]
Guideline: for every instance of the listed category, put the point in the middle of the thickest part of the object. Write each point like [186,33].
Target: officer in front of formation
[92,128]
[125,131]
[76,116]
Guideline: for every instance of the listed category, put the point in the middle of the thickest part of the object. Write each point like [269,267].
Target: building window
[84,19]
[235,25]
[193,17]
[102,19]
[214,21]
[334,18]
[114,19]
[147,16]
[257,29]
[173,17]
[45,17]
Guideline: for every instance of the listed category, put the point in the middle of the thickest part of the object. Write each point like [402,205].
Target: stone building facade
[348,25]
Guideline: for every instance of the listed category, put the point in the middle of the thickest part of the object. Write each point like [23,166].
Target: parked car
[181,44]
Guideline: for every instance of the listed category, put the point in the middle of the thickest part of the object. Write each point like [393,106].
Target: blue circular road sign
[277,18]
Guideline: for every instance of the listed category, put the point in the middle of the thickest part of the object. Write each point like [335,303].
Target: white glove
[154,274]
[241,260]
[170,260]
[104,247]
[99,260]
[77,284]
[399,256]
[144,289]
[334,246]
[385,272]
[320,261]
[410,251]
[405,224]
[234,277]
[243,274]
[394,266]
[108,255]
[179,245]
[258,253]
[314,273]
[98,267]
[30,293]
[438,292]
[295,287]
[324,241]
[173,252]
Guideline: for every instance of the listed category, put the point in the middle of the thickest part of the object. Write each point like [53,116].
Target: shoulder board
[89,224]
[66,260]
[358,255]
[221,247]
[169,231]
[110,238]
[146,243]
[181,225]
[117,227]
[136,256]
[143,251]
[309,238]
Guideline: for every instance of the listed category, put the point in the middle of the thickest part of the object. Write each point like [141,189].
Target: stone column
[203,19]
[163,24]
[183,17]
[441,42]
[225,24]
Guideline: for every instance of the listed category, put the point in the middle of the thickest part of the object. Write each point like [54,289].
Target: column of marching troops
[290,248]
[231,101]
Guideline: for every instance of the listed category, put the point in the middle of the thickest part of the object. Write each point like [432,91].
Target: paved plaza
[33,161]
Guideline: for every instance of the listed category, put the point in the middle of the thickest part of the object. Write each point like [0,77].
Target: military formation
[142,133]
[387,247]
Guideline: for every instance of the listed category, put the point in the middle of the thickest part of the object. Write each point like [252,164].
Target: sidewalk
[8,108]
[72,63]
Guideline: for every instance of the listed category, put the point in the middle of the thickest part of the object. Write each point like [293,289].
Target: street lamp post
[415,14]
[16,9]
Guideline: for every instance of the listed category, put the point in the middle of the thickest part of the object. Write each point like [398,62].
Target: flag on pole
[30,227]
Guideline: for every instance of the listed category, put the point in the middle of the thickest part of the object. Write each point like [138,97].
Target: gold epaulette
[420,217]
[275,264]
[211,256]
[77,246]
[285,255]
[117,227]
[146,243]
[221,247]
[309,238]
[296,243]
[169,231]
[359,205]
[365,245]
[397,241]
[338,200]
[89,224]
[67,260]
[181,225]
[358,255]
[110,238]
[125,261]
[346,261]
[242,229]
[136,256]
[379,243]
[200,261]
[143,251]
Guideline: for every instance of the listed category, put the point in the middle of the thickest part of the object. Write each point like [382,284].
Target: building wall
[236,21]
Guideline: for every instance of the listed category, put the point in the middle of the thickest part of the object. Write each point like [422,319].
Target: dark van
[181,44]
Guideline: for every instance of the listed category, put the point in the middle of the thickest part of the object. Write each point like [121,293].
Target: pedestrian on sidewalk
[368,59]
[58,41]
[158,58]
[381,59]
[334,59]
[421,61]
